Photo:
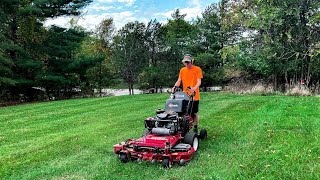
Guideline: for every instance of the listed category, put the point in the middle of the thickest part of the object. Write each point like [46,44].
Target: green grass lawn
[249,137]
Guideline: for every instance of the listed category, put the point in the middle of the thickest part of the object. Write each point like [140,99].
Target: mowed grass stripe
[250,137]
[81,117]
[44,106]
[51,107]
[51,115]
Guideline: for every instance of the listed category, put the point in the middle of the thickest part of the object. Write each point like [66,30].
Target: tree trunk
[309,75]
[132,88]
[100,79]
[305,32]
[129,87]
[275,82]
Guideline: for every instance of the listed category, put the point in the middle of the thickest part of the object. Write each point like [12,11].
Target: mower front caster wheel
[203,134]
[166,163]
[123,158]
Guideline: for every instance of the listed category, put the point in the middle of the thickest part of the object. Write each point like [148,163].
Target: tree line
[276,42]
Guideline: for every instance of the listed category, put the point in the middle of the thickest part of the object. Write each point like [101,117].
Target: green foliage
[212,67]
[158,57]
[24,48]
[151,76]
[180,33]
[209,38]
[129,52]
[280,40]
[54,8]
[103,74]
[5,67]
[60,66]
[229,53]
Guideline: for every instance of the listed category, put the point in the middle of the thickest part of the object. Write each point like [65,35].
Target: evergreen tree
[23,31]
[62,71]
[6,63]
[208,45]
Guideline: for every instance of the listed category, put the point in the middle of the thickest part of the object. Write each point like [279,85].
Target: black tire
[192,139]
[203,134]
[123,158]
[166,163]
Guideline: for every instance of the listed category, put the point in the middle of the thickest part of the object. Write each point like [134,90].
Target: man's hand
[193,90]
[173,89]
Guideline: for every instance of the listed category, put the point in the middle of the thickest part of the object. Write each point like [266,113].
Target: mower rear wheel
[192,139]
[203,134]
[123,158]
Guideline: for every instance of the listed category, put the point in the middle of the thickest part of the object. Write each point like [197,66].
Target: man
[191,75]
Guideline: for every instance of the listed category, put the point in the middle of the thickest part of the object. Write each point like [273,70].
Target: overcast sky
[123,11]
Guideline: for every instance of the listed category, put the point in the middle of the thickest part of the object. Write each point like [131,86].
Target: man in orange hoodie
[191,75]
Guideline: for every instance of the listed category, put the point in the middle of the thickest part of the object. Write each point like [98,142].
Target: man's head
[187,60]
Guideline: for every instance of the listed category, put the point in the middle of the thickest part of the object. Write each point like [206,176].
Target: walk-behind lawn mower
[167,138]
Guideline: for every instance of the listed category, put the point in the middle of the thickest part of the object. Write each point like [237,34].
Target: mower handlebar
[178,89]
[192,94]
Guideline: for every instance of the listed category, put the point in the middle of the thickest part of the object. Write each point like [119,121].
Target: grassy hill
[271,137]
